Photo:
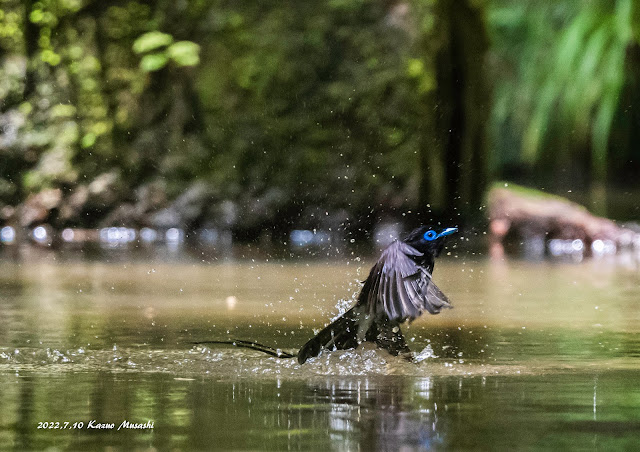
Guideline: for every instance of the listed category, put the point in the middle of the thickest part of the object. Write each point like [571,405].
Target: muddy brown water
[536,355]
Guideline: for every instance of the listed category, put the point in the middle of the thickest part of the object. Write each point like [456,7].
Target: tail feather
[342,334]
[253,346]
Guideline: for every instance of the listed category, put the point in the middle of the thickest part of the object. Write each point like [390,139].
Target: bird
[399,288]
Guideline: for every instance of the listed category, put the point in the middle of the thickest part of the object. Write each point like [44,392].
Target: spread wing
[400,287]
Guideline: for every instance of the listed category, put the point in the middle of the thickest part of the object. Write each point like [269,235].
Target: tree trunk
[31,35]
[463,106]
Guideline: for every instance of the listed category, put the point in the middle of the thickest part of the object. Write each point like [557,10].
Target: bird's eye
[430,235]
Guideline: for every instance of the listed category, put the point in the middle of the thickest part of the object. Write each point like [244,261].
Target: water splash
[426,353]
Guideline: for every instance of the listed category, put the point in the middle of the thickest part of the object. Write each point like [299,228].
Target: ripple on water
[234,363]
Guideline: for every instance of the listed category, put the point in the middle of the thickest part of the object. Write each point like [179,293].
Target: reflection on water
[534,355]
[368,413]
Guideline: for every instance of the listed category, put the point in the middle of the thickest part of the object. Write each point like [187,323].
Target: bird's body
[399,288]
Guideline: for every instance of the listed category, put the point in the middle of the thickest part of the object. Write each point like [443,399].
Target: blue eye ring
[430,235]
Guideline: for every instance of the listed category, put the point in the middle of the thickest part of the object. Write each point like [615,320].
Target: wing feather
[437,299]
[401,288]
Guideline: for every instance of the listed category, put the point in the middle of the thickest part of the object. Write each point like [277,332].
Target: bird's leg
[387,335]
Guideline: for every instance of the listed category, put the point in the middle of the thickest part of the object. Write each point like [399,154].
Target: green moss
[525,191]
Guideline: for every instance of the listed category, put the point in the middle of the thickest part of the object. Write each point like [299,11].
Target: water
[534,356]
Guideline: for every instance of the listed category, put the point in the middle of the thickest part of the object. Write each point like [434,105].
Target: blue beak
[448,231]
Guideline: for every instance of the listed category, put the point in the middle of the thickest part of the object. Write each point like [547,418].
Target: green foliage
[319,95]
[564,68]
[153,62]
[583,86]
[152,40]
[184,53]
[355,106]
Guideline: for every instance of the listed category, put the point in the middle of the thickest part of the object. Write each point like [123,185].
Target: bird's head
[428,240]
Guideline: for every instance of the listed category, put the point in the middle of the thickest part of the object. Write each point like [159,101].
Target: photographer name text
[95,425]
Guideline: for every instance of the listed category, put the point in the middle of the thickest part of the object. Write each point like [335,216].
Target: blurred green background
[273,114]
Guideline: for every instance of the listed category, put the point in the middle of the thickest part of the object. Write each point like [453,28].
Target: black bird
[399,288]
